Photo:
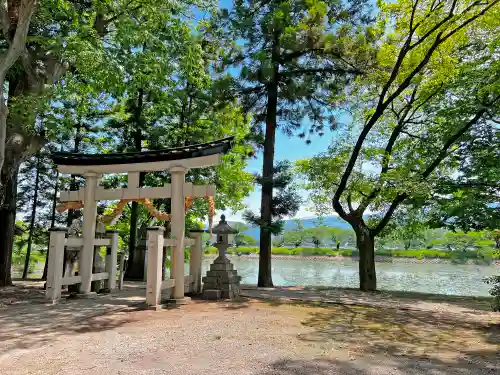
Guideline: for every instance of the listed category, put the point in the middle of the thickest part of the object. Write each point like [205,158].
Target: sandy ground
[278,336]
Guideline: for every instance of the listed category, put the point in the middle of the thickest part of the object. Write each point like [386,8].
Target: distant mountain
[329,221]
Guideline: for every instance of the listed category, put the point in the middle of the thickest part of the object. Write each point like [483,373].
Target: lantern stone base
[221,277]
[212,294]
[178,301]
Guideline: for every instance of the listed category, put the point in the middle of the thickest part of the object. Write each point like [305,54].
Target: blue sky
[287,148]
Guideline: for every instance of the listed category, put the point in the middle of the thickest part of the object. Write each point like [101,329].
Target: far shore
[378,259]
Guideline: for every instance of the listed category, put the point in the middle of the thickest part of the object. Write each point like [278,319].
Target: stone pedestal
[222,277]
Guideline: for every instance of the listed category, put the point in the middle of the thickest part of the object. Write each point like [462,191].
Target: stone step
[217,273]
[212,294]
[221,267]
[222,279]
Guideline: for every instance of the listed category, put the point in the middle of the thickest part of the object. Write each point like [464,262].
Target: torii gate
[176,160]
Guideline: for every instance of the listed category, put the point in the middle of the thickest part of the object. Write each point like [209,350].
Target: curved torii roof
[191,156]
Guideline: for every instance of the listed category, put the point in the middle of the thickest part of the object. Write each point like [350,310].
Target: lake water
[466,280]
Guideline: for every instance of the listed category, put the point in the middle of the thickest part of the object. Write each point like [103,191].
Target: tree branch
[349,202]
[382,104]
[16,47]
[444,150]
[337,206]
[331,70]
[388,215]
[433,165]
[4,19]
[27,7]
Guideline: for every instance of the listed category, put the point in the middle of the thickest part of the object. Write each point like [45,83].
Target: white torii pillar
[88,231]
[178,223]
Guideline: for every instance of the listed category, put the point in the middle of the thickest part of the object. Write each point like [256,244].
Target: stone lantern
[222,281]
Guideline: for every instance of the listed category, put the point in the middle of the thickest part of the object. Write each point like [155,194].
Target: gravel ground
[251,337]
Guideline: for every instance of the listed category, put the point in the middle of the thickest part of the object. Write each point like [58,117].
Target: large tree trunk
[7,225]
[32,222]
[20,145]
[15,29]
[52,223]
[136,257]
[135,264]
[74,184]
[366,246]
[265,270]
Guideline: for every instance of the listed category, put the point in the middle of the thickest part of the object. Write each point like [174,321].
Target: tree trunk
[366,246]
[7,225]
[52,223]
[135,266]
[32,222]
[74,185]
[18,30]
[265,270]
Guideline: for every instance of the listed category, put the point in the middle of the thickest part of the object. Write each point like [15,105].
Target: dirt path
[255,337]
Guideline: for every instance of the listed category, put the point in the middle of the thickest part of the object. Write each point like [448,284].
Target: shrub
[210,250]
[18,259]
[346,253]
[495,291]
[248,250]
[283,251]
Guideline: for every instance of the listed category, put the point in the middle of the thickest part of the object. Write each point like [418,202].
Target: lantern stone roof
[223,227]
[220,146]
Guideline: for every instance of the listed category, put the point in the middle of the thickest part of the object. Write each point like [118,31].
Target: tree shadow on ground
[467,302]
[417,335]
[403,366]
[44,333]
[27,320]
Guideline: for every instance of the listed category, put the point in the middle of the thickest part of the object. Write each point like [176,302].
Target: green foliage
[20,245]
[285,202]
[296,236]
[495,291]
[316,47]
[406,227]
[210,250]
[240,238]
[408,117]
[486,255]
[434,81]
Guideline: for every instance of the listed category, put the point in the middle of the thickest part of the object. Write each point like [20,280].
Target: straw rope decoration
[111,218]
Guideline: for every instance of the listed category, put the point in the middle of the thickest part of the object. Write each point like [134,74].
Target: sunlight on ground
[387,331]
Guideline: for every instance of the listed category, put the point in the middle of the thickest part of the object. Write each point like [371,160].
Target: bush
[247,250]
[495,291]
[483,255]
[283,251]
[347,253]
[210,250]
[18,259]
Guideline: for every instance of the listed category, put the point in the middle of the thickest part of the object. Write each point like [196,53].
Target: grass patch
[482,256]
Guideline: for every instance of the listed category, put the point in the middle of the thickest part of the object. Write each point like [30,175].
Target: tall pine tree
[293,57]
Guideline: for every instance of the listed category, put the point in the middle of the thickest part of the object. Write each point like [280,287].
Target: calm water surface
[466,280]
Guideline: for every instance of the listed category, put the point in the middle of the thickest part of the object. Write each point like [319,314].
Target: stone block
[212,294]
[178,301]
[219,273]
[221,267]
[230,286]
[229,294]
